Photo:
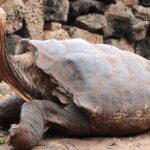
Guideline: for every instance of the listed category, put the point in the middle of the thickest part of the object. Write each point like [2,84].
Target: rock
[119,18]
[56,10]
[108,1]
[34,19]
[15,14]
[91,22]
[148,31]
[138,31]
[145,3]
[53,26]
[12,42]
[75,32]
[130,2]
[57,34]
[139,28]
[10,3]
[123,44]
[143,47]
[122,23]
[142,13]
[23,18]
[83,7]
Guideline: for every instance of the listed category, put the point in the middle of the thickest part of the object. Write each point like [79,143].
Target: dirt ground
[57,142]
[141,142]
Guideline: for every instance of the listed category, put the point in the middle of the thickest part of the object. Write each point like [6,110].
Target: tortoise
[78,88]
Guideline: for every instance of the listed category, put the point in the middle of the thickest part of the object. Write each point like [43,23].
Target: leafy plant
[2,141]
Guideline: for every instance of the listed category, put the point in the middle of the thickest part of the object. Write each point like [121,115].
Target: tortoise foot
[20,137]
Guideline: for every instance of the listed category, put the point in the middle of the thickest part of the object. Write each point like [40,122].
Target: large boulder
[122,23]
[123,44]
[24,17]
[53,26]
[83,7]
[138,31]
[54,30]
[119,18]
[75,32]
[15,13]
[142,13]
[130,3]
[56,10]
[91,22]
[33,19]
[59,34]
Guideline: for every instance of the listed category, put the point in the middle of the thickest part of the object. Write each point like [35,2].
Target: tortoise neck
[27,83]
[6,66]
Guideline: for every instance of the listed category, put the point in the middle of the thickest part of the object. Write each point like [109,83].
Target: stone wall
[122,23]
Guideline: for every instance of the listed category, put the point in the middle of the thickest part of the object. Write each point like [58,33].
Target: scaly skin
[37,115]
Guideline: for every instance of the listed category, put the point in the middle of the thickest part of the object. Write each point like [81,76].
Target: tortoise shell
[111,86]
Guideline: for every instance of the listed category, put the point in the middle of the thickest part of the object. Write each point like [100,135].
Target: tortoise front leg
[10,108]
[38,114]
[30,130]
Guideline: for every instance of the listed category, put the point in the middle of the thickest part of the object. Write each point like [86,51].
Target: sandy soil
[141,142]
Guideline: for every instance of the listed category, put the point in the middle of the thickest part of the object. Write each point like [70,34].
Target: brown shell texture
[111,86]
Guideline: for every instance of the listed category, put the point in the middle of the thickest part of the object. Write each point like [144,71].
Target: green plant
[2,141]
